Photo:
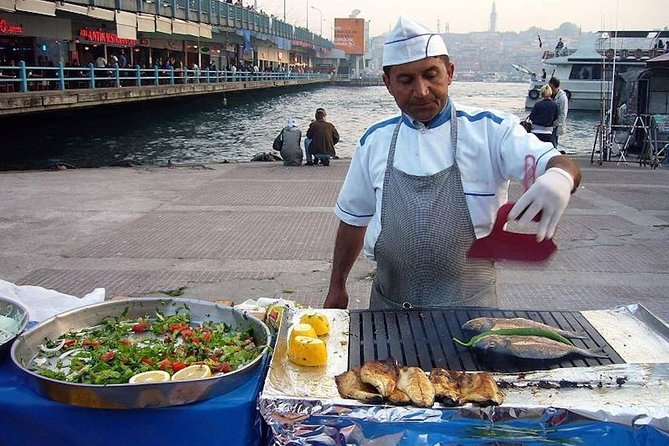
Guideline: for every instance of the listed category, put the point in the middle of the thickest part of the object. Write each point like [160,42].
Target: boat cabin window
[586,72]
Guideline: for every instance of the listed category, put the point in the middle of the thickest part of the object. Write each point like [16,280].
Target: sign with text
[105,37]
[350,35]
[7,27]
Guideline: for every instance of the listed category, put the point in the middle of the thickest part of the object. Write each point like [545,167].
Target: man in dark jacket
[323,137]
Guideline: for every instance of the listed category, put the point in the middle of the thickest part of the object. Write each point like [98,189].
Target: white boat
[586,72]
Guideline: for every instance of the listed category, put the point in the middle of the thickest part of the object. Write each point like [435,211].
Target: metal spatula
[501,244]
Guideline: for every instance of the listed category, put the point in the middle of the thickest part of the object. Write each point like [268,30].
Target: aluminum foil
[287,379]
[624,403]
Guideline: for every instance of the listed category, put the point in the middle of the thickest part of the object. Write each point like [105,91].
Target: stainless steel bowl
[18,313]
[131,396]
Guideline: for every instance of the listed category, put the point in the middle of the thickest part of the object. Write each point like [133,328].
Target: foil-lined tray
[626,402]
[285,378]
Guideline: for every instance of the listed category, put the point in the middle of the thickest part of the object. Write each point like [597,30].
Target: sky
[465,16]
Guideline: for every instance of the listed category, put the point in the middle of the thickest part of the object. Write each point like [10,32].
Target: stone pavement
[240,231]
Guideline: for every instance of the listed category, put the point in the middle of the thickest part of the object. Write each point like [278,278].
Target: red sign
[10,28]
[105,37]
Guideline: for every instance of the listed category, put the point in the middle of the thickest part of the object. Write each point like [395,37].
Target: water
[202,130]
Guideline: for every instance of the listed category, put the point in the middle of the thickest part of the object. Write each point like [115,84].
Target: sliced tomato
[140,327]
[177,326]
[176,366]
[108,356]
[92,342]
[186,332]
[69,342]
[125,342]
[147,361]
[206,336]
[164,364]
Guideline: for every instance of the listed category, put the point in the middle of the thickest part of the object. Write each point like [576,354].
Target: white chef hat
[410,41]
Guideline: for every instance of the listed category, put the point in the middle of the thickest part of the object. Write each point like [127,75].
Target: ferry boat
[586,72]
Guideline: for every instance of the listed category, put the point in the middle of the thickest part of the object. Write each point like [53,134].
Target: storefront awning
[146,24]
[36,7]
[8,5]
[193,29]
[69,7]
[163,25]
[99,13]
[205,31]
[126,25]
[179,27]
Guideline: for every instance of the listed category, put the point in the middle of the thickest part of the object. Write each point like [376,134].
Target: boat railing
[22,78]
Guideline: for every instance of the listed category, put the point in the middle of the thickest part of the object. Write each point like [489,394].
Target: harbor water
[230,128]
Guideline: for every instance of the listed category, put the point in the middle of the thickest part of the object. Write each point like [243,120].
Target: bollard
[155,74]
[138,73]
[171,75]
[61,76]
[23,76]
[91,72]
[117,76]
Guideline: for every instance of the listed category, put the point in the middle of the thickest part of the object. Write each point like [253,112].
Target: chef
[424,184]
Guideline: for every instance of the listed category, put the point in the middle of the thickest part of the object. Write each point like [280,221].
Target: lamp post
[320,13]
[331,28]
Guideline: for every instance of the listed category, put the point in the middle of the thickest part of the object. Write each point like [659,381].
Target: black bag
[527,125]
[278,142]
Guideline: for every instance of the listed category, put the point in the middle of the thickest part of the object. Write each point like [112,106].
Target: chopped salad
[118,348]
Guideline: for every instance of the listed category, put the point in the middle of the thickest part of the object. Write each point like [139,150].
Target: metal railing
[23,79]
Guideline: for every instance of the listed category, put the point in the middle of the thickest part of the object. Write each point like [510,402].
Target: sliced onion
[46,349]
[69,352]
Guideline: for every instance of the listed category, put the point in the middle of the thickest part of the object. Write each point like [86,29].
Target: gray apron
[426,231]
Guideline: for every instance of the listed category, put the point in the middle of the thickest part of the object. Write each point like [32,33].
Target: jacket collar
[443,117]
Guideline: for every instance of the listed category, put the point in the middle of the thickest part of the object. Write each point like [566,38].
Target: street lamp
[320,13]
[331,27]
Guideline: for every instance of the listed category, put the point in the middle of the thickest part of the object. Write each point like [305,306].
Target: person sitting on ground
[323,137]
[543,115]
[288,142]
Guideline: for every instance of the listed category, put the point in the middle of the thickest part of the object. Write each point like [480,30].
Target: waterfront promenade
[248,230]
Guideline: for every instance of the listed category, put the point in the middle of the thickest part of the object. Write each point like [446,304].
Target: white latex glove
[548,195]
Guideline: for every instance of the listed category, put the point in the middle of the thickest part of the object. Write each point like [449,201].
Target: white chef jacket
[491,151]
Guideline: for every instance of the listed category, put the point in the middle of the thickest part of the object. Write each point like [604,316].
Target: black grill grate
[424,338]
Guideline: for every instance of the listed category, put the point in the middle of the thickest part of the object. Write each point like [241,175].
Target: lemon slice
[152,376]
[317,320]
[195,371]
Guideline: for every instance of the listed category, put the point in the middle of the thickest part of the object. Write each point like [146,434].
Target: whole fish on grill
[531,347]
[479,388]
[483,324]
[350,386]
[382,375]
[445,384]
[417,386]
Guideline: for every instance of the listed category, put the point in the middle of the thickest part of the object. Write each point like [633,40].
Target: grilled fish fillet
[531,347]
[382,375]
[417,386]
[445,384]
[479,388]
[483,324]
[399,398]
[350,386]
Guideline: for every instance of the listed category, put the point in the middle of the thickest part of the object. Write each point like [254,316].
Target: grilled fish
[382,375]
[483,324]
[531,347]
[417,386]
[445,384]
[350,386]
[479,388]
[399,398]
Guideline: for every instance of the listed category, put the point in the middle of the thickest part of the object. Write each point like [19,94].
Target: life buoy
[568,93]
[533,94]
[624,54]
[609,53]
[638,53]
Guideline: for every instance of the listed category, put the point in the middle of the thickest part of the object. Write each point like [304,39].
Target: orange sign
[350,35]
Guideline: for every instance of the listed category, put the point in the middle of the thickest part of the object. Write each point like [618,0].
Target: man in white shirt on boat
[562,101]
[424,184]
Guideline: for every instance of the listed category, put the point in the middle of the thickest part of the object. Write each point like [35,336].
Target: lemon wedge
[195,371]
[301,330]
[310,352]
[152,376]
[317,320]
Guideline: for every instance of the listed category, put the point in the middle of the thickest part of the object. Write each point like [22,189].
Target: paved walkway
[239,231]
